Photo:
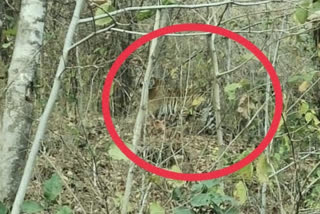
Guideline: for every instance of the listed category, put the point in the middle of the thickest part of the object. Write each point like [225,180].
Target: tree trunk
[17,113]
[1,18]
[143,110]
[2,65]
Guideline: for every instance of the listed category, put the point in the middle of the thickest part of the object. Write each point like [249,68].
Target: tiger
[173,105]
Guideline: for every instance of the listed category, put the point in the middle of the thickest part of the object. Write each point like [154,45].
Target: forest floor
[94,171]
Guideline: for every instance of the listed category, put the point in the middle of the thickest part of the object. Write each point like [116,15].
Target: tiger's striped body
[174,105]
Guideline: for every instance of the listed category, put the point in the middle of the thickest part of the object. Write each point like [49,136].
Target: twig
[296,167]
[144,201]
[308,176]
[90,35]
[238,135]
[198,34]
[266,126]
[302,95]
[235,68]
[231,2]
[310,185]
[286,167]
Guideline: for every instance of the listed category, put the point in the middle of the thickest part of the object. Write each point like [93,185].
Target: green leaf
[316,120]
[3,209]
[156,208]
[155,179]
[31,207]
[106,7]
[262,169]
[210,183]
[246,172]
[304,108]
[244,154]
[116,154]
[301,13]
[198,188]
[176,194]
[231,90]
[303,86]
[182,210]
[294,78]
[240,192]
[11,31]
[218,199]
[204,186]
[64,210]
[309,116]
[308,76]
[52,187]
[175,183]
[315,7]
[245,83]
[144,14]
[199,200]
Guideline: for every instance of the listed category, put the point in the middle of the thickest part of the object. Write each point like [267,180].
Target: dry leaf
[304,86]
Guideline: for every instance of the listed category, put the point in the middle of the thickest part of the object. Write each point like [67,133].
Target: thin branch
[286,167]
[310,185]
[169,34]
[302,95]
[194,6]
[202,34]
[235,68]
[296,168]
[90,36]
[222,15]
[238,135]
[145,197]
[266,126]
[308,176]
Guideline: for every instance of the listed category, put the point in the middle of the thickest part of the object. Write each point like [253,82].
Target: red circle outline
[192,176]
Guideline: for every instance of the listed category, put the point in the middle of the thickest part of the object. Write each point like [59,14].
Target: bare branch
[194,6]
